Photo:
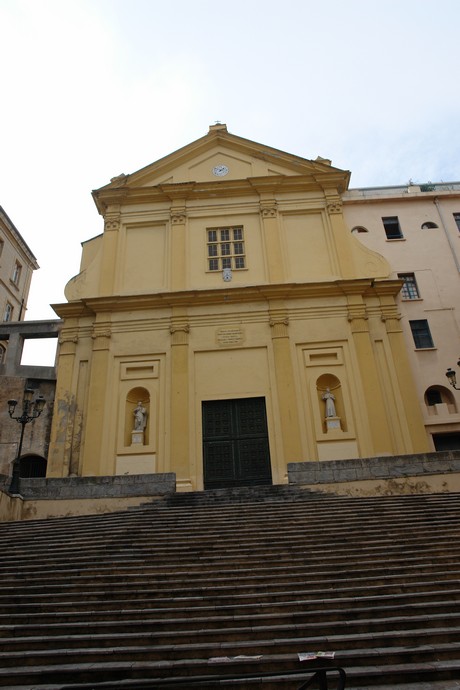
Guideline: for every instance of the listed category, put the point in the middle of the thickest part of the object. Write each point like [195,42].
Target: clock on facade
[220,170]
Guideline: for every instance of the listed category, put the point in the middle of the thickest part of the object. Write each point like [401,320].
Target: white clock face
[220,170]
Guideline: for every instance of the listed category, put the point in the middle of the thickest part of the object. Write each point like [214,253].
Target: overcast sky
[94,88]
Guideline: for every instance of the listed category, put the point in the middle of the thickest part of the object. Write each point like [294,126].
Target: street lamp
[30,410]
[452,377]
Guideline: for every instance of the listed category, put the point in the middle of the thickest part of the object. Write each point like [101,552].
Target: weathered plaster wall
[383,476]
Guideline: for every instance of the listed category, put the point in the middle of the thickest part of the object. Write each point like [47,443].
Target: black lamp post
[30,410]
[452,377]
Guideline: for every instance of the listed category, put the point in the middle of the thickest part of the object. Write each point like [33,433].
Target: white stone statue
[140,417]
[329,398]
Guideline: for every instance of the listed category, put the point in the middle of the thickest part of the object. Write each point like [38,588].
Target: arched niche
[331,382]
[136,395]
[439,395]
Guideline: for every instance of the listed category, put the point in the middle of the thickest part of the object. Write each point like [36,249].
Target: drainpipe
[449,239]
[21,309]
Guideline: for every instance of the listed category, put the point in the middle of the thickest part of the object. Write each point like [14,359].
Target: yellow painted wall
[147,319]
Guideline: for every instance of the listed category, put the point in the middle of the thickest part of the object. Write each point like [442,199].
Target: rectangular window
[457,220]
[410,289]
[16,273]
[8,313]
[1,246]
[225,248]
[392,228]
[421,333]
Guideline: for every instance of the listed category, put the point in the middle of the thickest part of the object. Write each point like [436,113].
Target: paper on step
[309,656]
[226,659]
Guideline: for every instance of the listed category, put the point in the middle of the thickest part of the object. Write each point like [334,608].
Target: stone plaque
[233,335]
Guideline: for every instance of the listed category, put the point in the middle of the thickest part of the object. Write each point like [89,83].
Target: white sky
[94,88]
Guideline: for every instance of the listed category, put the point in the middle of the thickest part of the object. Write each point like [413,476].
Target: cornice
[264,293]
[273,184]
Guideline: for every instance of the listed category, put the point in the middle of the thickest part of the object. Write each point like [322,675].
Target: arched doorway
[32,466]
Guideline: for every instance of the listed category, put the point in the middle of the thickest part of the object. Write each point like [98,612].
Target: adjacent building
[17,264]
[417,229]
[227,322]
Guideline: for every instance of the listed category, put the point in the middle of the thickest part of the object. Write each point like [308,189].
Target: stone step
[335,639]
[160,589]
[115,675]
[149,596]
[235,605]
[346,657]
[310,617]
[196,583]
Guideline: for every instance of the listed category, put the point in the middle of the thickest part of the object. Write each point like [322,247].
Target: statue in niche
[140,417]
[329,398]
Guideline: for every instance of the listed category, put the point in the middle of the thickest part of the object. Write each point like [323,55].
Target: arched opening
[359,228]
[137,414]
[32,466]
[330,400]
[428,225]
[438,395]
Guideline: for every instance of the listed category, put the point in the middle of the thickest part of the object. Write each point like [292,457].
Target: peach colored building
[417,229]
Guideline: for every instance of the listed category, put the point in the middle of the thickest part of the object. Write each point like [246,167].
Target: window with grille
[225,248]
[392,228]
[410,289]
[457,219]
[421,333]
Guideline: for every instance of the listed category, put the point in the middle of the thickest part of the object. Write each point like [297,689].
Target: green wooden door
[235,443]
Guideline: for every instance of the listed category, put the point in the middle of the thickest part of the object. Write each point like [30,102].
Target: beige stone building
[227,322]
[417,229]
[17,264]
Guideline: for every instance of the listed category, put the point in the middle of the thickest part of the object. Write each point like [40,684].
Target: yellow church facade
[227,323]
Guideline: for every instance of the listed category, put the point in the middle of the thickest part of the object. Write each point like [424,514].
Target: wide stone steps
[165,590]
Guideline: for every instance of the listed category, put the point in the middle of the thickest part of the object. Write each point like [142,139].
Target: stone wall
[14,378]
[61,497]
[420,473]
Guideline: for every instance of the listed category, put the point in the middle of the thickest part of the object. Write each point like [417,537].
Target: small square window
[410,289]
[226,247]
[421,334]
[457,220]
[392,228]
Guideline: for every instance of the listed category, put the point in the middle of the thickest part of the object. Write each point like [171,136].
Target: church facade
[227,323]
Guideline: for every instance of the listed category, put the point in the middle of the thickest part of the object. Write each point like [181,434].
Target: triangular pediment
[220,155]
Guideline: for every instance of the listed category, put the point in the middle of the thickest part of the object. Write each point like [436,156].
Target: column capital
[268,208]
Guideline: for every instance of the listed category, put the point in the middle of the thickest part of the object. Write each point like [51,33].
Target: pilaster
[95,451]
[112,224]
[271,233]
[285,383]
[59,454]
[178,245]
[334,209]
[379,433]
[417,441]
[180,413]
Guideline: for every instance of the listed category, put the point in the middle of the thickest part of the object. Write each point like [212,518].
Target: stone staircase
[228,583]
